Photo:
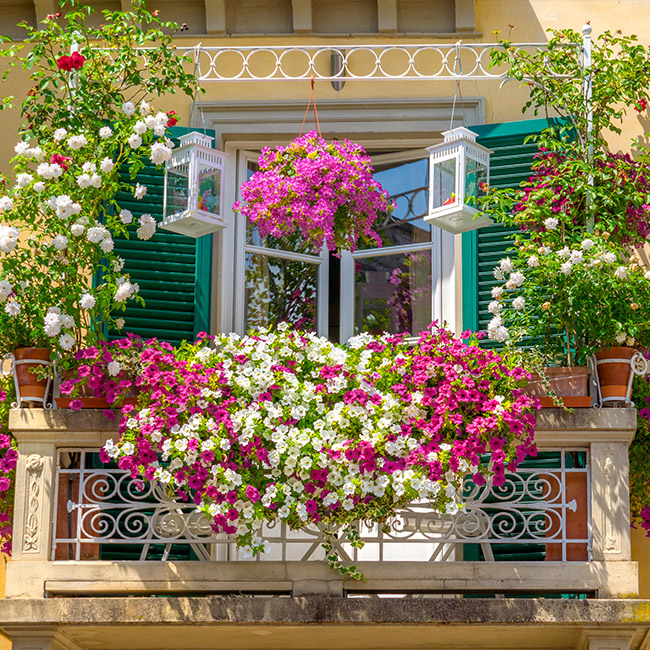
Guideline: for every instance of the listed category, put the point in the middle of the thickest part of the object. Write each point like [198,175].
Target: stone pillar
[606,640]
[610,501]
[34,501]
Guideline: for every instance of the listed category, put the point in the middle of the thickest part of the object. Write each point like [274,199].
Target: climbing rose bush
[290,426]
[323,189]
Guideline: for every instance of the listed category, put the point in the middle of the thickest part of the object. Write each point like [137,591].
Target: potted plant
[324,190]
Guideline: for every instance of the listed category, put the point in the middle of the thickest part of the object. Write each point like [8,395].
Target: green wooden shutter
[173,271]
[510,164]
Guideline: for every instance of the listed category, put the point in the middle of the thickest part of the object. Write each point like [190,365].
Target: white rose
[147,227]
[107,165]
[135,141]
[60,242]
[12,308]
[620,337]
[160,153]
[77,229]
[5,290]
[565,253]
[517,278]
[39,186]
[83,181]
[647,275]
[495,307]
[77,141]
[114,368]
[107,245]
[22,180]
[119,323]
[533,261]
[620,273]
[6,203]
[519,303]
[497,292]
[566,268]
[576,257]
[140,191]
[126,216]
[551,223]
[96,180]
[67,341]
[59,134]
[145,108]
[87,301]
[506,265]
[89,167]
[140,127]
[587,244]
[609,258]
[128,108]
[21,148]
[105,132]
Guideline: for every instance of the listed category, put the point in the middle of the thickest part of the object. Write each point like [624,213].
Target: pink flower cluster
[8,460]
[283,424]
[325,190]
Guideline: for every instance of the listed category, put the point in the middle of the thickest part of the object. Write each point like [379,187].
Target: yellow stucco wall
[4,642]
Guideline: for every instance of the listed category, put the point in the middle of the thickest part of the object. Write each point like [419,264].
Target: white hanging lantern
[194,187]
[459,170]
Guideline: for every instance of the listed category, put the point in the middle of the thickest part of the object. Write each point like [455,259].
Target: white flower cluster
[125,289]
[49,171]
[8,238]
[54,320]
[147,227]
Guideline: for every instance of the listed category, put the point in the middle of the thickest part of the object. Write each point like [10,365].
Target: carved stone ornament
[31,539]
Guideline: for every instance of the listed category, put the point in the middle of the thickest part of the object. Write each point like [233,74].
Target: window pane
[393,293]
[444,183]
[408,185]
[294,243]
[280,290]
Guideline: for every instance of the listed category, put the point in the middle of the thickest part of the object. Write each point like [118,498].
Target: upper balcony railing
[560,524]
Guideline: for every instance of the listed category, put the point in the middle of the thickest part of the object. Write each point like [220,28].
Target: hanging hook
[312,99]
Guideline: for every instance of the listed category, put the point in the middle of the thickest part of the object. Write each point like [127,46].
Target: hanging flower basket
[323,190]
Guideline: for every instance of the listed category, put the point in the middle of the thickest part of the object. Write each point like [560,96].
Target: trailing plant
[8,460]
[324,190]
[639,469]
[286,425]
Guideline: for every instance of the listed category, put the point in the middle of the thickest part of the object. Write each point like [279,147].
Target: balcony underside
[320,622]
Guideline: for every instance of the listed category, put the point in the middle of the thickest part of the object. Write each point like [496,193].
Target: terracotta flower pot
[570,384]
[614,376]
[29,386]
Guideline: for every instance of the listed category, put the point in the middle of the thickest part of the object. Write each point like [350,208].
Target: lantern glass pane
[178,192]
[444,182]
[475,180]
[209,193]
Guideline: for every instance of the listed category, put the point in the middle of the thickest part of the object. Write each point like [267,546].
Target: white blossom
[566,268]
[128,108]
[96,180]
[147,227]
[506,265]
[517,278]
[77,141]
[95,234]
[145,108]
[140,191]
[39,186]
[49,170]
[77,229]
[160,153]
[107,244]
[60,242]
[114,368]
[67,342]
[12,308]
[64,206]
[576,257]
[105,132]
[83,181]
[135,141]
[533,261]
[587,244]
[119,323]
[8,238]
[646,275]
[59,134]
[125,289]
[126,216]
[23,180]
[89,167]
[5,290]
[67,321]
[551,223]
[565,253]
[140,127]
[609,258]
[620,337]
[495,307]
[497,292]
[107,165]
[519,303]
[620,273]
[6,203]
[87,301]
[21,147]
[52,322]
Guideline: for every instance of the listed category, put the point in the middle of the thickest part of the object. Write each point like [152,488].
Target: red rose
[61,160]
[77,61]
[64,63]
[173,118]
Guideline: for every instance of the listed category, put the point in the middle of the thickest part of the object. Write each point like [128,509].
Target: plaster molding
[31,537]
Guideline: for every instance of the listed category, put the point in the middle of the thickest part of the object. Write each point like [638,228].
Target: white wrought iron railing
[101,510]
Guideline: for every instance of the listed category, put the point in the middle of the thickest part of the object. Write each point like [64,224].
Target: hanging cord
[197,95]
[312,100]
[457,71]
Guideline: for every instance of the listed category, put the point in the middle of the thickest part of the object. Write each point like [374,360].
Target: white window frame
[242,248]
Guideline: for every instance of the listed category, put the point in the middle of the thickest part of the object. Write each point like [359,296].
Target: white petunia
[59,134]
[67,341]
[160,153]
[135,141]
[140,191]
[126,217]
[12,308]
[60,242]
[6,203]
[519,303]
[23,180]
[147,227]
[107,165]
[77,141]
[128,108]
[551,223]
[87,301]
[105,132]
[114,368]
[620,272]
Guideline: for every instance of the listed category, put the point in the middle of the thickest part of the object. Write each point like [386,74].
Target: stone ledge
[215,610]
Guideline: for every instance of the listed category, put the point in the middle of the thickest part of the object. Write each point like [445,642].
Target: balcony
[560,525]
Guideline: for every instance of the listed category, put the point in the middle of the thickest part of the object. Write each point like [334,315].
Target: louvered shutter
[510,164]
[173,271]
